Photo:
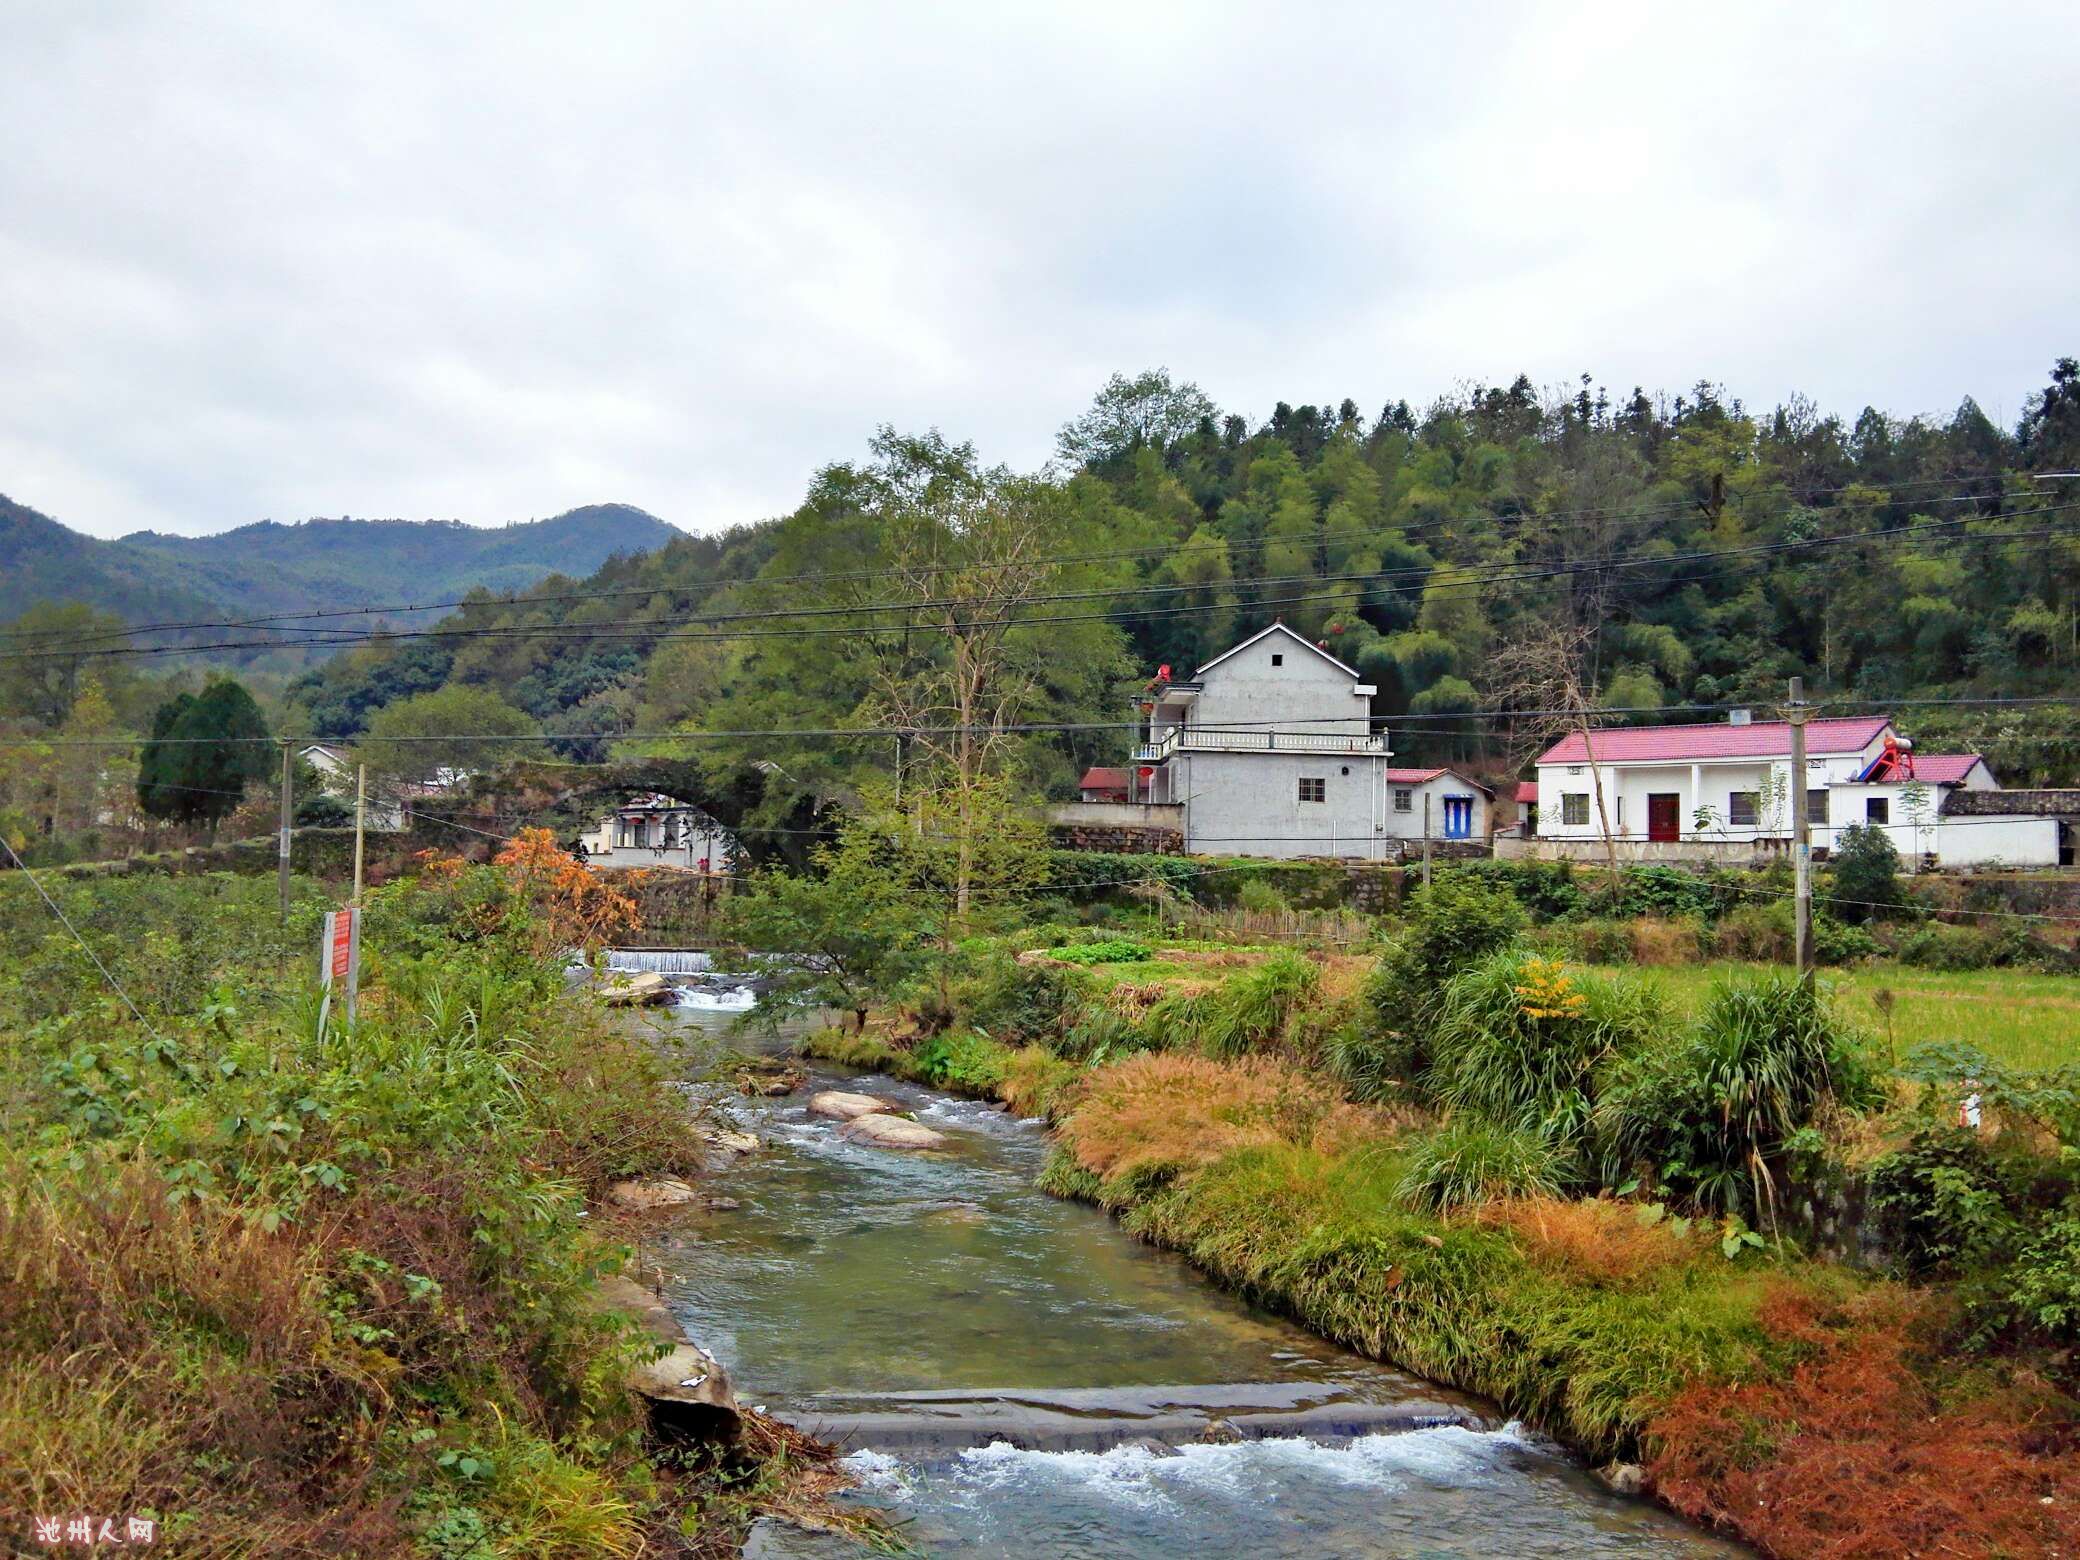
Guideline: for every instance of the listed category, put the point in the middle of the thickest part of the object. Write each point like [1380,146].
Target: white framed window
[1314,788]
[1741,808]
[1404,799]
[1574,808]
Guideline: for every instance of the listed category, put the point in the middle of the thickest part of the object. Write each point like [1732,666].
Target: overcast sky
[266,261]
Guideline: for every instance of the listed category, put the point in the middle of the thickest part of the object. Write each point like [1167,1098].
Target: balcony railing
[1186,739]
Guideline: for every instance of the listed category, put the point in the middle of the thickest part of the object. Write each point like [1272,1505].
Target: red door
[1664,815]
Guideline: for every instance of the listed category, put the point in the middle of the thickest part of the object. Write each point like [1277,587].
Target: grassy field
[2023,1019]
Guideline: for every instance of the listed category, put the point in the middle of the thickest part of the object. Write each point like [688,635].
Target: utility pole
[1801,831]
[360,823]
[1426,839]
[282,863]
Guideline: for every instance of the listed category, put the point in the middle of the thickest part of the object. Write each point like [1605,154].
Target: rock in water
[729,1141]
[688,1389]
[642,989]
[840,1106]
[884,1131]
[1218,1432]
[1623,1478]
[642,1196]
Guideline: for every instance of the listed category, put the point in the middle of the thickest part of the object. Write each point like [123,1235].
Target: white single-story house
[1442,801]
[1669,792]
[336,774]
[659,831]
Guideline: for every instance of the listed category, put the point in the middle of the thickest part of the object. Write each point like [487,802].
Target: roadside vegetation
[288,1286]
[1705,1218]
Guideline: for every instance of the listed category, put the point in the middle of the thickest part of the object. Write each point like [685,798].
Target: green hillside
[270,567]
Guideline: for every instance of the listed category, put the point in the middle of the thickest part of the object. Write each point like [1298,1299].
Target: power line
[85,947]
[1358,583]
[1382,531]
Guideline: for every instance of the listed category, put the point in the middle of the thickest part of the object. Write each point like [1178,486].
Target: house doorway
[1458,817]
[1664,815]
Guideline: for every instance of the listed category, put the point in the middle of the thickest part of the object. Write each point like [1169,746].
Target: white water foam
[881,1473]
[737,999]
[1444,1456]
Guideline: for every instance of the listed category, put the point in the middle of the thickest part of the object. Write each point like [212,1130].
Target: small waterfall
[661,961]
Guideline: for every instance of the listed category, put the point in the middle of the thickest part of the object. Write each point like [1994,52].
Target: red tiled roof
[1103,780]
[1411,776]
[1527,790]
[1682,744]
[1944,768]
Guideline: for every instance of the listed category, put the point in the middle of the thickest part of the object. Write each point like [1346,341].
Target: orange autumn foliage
[1855,1453]
[1594,1240]
[580,908]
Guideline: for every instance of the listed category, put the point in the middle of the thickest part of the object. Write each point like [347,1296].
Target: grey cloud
[493,261]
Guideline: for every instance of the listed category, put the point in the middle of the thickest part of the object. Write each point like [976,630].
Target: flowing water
[1018,1377]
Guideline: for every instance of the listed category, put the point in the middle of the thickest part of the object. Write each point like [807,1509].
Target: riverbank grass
[282,1285]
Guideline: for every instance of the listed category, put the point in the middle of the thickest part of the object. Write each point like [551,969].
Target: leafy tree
[845,933]
[203,751]
[1866,874]
[1149,409]
[453,729]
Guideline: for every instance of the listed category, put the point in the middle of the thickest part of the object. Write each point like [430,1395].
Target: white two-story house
[1269,750]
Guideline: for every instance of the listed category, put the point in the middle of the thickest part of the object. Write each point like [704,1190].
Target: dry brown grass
[1657,941]
[1592,1240]
[157,1357]
[1133,999]
[1174,1110]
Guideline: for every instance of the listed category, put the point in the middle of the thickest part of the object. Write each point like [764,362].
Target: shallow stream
[1018,1377]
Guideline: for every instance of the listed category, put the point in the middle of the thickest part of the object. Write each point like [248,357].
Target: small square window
[1404,800]
[1277,659]
[1877,809]
[1816,807]
[1740,808]
[1574,808]
[1313,789]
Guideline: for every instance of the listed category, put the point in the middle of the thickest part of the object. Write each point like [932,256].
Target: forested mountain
[1709,552]
[268,567]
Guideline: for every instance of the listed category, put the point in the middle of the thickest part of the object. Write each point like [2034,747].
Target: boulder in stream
[885,1131]
[729,1140]
[688,1390]
[840,1106]
[644,988]
[1623,1478]
[643,1196]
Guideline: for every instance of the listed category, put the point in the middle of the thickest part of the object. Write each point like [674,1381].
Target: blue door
[1458,817]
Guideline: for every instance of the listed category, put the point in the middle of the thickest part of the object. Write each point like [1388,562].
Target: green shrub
[962,1061]
[1936,946]
[1261,896]
[1016,1001]
[1519,1040]
[1453,922]
[1099,1034]
[1710,1115]
[1547,890]
[1250,1009]
[1471,1160]
[1663,891]
[1837,942]
[1863,880]
[1943,1202]
[1600,941]
[1109,950]
[1757,933]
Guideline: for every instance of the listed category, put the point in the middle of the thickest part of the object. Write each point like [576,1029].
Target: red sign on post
[339,961]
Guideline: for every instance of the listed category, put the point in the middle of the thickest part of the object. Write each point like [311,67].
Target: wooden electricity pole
[1801,831]
[282,863]
[1426,839]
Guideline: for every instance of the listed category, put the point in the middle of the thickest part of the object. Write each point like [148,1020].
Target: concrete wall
[1137,829]
[1723,853]
[2006,842]
[1248,804]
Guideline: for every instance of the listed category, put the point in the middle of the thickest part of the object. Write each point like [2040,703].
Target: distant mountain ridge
[271,567]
